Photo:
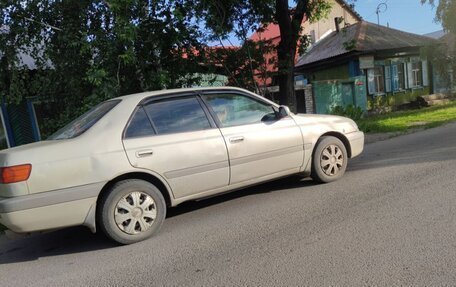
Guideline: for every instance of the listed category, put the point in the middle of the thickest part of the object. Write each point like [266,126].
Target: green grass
[405,120]
[2,228]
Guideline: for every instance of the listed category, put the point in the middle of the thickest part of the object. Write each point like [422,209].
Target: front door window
[235,110]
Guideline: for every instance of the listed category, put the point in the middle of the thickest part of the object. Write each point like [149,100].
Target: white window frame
[398,77]
[416,73]
[379,80]
[388,79]
[374,80]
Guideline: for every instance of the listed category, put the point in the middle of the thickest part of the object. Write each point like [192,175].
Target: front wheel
[329,160]
[131,211]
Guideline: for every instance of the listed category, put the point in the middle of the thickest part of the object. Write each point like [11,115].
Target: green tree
[290,31]
[86,51]
[443,54]
[233,16]
[445,13]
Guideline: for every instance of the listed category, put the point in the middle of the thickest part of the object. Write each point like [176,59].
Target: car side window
[234,109]
[177,115]
[139,125]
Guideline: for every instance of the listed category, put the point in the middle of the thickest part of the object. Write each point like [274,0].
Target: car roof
[140,96]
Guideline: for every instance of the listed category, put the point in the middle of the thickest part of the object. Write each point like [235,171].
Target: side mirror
[284,112]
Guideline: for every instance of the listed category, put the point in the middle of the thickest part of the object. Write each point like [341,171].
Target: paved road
[390,221]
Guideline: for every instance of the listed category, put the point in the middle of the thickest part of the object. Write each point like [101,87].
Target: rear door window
[139,125]
[177,115]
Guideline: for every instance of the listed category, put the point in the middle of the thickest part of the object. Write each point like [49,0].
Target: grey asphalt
[390,221]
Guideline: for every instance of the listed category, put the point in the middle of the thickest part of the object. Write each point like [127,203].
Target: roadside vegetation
[85,52]
[403,121]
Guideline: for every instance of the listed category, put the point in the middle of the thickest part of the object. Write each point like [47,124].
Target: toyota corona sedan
[118,167]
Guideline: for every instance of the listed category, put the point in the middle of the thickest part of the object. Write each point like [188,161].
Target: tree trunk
[290,27]
[286,57]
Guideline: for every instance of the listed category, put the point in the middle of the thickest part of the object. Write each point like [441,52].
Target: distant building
[435,35]
[363,63]
[317,31]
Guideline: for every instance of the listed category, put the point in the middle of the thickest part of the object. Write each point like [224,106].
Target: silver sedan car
[118,167]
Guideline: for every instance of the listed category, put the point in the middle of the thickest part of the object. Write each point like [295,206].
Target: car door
[260,146]
[176,138]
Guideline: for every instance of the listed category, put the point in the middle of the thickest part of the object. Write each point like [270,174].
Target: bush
[350,111]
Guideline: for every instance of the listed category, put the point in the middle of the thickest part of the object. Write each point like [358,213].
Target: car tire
[131,211]
[329,160]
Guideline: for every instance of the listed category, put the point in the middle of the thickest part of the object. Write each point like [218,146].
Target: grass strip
[404,120]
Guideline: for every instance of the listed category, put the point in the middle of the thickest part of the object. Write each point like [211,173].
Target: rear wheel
[329,160]
[131,211]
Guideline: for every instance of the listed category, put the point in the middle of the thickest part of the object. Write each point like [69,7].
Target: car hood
[338,123]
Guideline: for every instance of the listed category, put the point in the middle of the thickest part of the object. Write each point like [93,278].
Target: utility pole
[381,8]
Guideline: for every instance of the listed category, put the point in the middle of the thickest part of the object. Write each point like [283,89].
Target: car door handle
[144,153]
[236,139]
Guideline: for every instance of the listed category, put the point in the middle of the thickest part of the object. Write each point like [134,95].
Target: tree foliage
[86,51]
[445,13]
[240,64]
[443,54]
[240,17]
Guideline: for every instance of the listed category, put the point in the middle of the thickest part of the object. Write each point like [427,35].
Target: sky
[405,15]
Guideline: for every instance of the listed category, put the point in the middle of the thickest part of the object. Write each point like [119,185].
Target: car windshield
[84,122]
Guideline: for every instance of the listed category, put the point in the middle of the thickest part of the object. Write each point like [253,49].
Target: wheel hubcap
[331,160]
[135,212]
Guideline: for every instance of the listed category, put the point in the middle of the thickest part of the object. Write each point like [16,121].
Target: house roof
[436,35]
[272,31]
[363,37]
[350,9]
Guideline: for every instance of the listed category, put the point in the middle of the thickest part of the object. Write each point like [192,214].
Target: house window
[398,77]
[388,78]
[379,80]
[376,81]
[417,74]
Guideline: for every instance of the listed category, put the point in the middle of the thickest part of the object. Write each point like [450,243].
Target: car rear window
[84,122]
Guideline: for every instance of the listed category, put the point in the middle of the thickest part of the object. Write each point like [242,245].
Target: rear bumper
[49,210]
[356,140]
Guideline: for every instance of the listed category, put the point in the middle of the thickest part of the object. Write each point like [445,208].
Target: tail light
[17,173]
